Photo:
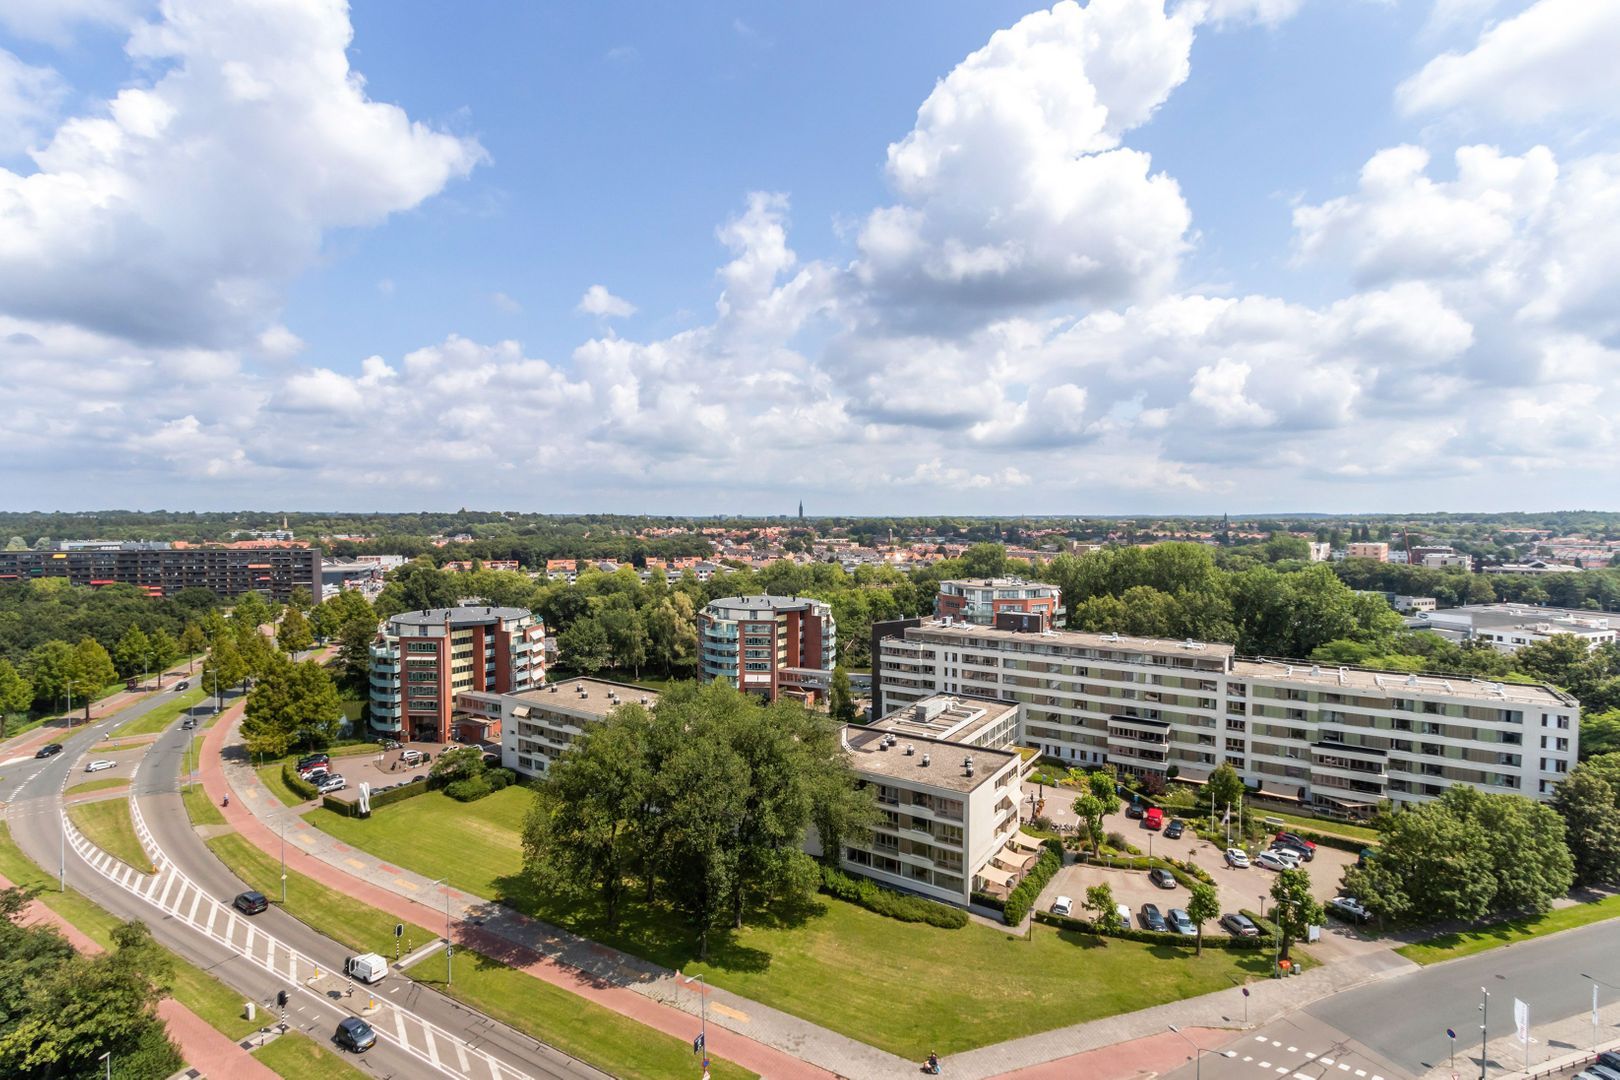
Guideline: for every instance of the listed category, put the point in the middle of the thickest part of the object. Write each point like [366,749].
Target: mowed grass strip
[1468,942]
[296,1056]
[218,1004]
[1324,825]
[162,715]
[590,1032]
[271,775]
[104,783]
[832,963]
[109,826]
[199,807]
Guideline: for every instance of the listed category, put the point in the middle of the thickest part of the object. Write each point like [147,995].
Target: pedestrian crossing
[1322,1065]
[176,895]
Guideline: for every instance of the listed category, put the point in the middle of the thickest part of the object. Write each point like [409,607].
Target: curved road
[478,1046]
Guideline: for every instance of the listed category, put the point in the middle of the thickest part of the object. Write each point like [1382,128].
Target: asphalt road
[36,826]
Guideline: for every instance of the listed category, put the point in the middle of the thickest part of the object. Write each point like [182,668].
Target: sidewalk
[204,1048]
[578,966]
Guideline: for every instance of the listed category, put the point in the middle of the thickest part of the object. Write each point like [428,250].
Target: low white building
[539,725]
[1510,627]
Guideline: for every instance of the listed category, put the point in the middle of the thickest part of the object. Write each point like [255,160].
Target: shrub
[1215,940]
[984,899]
[1023,897]
[1268,929]
[896,905]
[300,786]
[468,790]
[462,763]
[379,799]
[1116,840]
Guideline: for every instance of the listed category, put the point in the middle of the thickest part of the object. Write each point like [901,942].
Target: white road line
[1327,1061]
[1293,1049]
[196,902]
[1302,1076]
[1265,1065]
[1361,1072]
[461,1054]
[1310,1055]
[1343,1067]
[432,1047]
[1247,1058]
[399,1028]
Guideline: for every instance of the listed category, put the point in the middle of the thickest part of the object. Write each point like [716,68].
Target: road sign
[1450,1034]
[1245,991]
[399,929]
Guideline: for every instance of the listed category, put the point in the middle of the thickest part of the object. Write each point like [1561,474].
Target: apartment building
[1377,552]
[982,600]
[769,645]
[947,791]
[162,569]
[1339,738]
[421,661]
[1510,627]
[538,725]
[1321,552]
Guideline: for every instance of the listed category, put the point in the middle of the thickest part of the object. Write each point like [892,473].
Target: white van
[367,967]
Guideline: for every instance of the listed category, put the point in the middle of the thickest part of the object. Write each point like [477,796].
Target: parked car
[1063,905]
[48,749]
[1239,925]
[99,764]
[355,1034]
[250,902]
[389,744]
[313,761]
[1134,810]
[317,776]
[332,783]
[181,685]
[1271,861]
[1181,922]
[1609,1059]
[1604,1073]
[1295,839]
[1150,919]
[1306,854]
[1124,914]
[1161,877]
[1237,859]
[1174,830]
[1153,818]
[1285,854]
[367,967]
[1349,909]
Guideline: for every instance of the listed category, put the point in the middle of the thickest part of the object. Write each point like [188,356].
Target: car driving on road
[181,685]
[251,902]
[355,1034]
[48,749]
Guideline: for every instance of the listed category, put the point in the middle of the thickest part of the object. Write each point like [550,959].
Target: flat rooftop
[997,583]
[1077,639]
[762,605]
[596,702]
[1399,684]
[945,717]
[944,768]
[1513,616]
[458,616]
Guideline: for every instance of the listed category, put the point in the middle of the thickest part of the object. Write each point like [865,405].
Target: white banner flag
[1521,1017]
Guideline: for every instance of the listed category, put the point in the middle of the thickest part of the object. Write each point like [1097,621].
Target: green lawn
[1324,825]
[194,988]
[296,1056]
[1469,942]
[832,963]
[199,807]
[109,826]
[614,1043]
[161,716]
[271,775]
[101,784]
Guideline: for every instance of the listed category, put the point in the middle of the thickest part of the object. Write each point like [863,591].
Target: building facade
[540,724]
[163,570]
[1376,551]
[422,660]
[1338,738]
[982,600]
[773,646]
[1510,627]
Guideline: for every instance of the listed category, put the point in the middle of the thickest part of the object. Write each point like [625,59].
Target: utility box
[249,1009]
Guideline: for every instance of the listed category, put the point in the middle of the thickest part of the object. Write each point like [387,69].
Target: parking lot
[385,769]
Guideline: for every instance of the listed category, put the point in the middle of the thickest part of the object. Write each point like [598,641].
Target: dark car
[1305,854]
[1151,919]
[1174,830]
[1239,925]
[188,723]
[250,902]
[355,1034]
[181,685]
[1161,877]
[1295,840]
[1609,1059]
[1135,810]
[48,749]
[312,761]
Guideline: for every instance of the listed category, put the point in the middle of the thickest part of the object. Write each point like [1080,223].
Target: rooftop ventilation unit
[910,749]
[925,760]
[552,688]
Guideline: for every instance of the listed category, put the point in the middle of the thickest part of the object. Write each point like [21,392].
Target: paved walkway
[203,1047]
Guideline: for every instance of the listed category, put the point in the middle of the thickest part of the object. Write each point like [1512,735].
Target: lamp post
[1596,982]
[1484,1022]
[1199,1052]
[107,1057]
[703,1017]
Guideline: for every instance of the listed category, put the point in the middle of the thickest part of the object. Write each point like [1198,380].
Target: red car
[1154,818]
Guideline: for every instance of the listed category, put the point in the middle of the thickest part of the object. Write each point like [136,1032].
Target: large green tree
[293,633]
[224,666]
[1296,909]
[584,646]
[165,651]
[1203,904]
[133,655]
[16,694]
[292,705]
[840,699]
[1224,787]
[50,668]
[92,670]
[1588,804]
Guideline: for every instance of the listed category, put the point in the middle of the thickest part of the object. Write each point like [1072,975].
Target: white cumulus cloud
[598,301]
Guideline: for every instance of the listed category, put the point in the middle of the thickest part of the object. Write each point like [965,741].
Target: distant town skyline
[1132,257]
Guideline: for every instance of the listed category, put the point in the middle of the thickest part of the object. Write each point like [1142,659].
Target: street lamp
[107,1057]
[1596,982]
[703,1021]
[1199,1052]
[1484,1022]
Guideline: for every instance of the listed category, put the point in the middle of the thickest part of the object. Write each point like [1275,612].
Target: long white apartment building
[539,725]
[1334,737]
[947,789]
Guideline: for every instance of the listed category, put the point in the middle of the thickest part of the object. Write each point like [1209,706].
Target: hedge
[1184,872]
[1023,897]
[984,899]
[1218,940]
[379,799]
[1343,843]
[469,790]
[1266,927]
[896,905]
[300,786]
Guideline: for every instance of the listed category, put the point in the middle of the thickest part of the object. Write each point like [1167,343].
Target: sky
[1130,256]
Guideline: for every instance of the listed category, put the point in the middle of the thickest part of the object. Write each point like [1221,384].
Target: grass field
[199,807]
[296,1056]
[271,775]
[832,963]
[1324,825]
[1469,942]
[194,988]
[164,714]
[109,826]
[102,784]
[614,1043]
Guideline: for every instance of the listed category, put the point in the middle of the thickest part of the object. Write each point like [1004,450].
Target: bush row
[1218,939]
[378,800]
[1024,895]
[984,899]
[476,787]
[1184,872]
[301,787]
[896,905]
[1341,842]
[1268,929]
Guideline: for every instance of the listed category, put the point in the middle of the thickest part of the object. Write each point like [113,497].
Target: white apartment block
[1510,627]
[1334,737]
[539,725]
[947,792]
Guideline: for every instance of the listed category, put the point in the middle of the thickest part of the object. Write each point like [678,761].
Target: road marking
[461,1054]
[1265,1065]
[1361,1072]
[196,902]
[355,863]
[1302,1076]
[407,884]
[1343,1067]
[1247,1058]
[1293,1049]
[1310,1055]
[723,1010]
[1327,1061]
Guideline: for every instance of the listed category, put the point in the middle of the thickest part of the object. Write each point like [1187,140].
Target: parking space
[384,769]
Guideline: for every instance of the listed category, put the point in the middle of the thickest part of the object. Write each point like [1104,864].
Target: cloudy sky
[1131,256]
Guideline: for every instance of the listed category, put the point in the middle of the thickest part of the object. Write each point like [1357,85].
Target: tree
[1106,789]
[1296,908]
[1600,733]
[840,699]
[294,635]
[584,646]
[224,666]
[1100,899]
[1591,823]
[92,670]
[1531,864]
[251,610]
[1203,904]
[164,651]
[985,560]
[133,653]
[192,642]
[50,668]
[1091,809]
[16,694]
[457,763]
[626,637]
[299,600]
[291,705]
[1225,788]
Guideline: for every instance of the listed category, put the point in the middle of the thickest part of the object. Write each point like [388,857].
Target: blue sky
[1121,257]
